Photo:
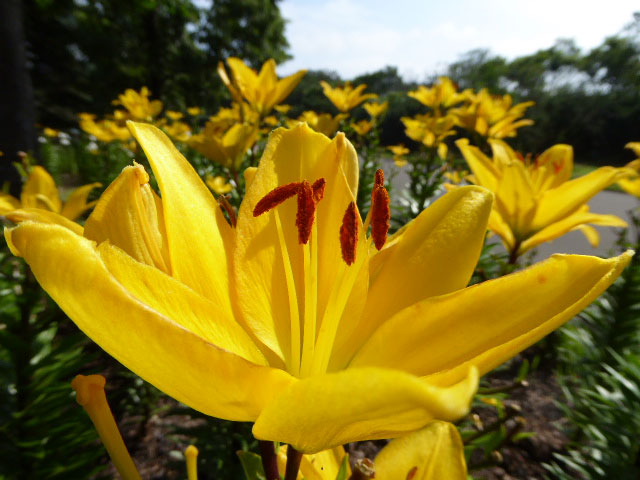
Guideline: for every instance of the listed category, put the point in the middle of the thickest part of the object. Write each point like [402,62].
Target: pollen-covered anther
[349,234]
[306,212]
[380,211]
[275,197]
[318,189]
[308,197]
[379,179]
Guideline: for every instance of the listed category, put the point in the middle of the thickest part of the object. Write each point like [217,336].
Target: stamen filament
[336,305]
[310,254]
[90,395]
[293,363]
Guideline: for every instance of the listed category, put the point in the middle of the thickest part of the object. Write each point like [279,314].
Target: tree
[17,130]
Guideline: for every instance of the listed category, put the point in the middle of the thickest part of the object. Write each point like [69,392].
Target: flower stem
[269,460]
[293,463]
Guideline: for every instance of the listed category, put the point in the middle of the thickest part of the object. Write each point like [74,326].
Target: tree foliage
[171,46]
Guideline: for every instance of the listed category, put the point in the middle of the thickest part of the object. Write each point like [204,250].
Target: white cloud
[358,36]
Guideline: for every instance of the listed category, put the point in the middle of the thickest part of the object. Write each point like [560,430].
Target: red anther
[380,214]
[318,189]
[349,234]
[306,212]
[379,181]
[275,197]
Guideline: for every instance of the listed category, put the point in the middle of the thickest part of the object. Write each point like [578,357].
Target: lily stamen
[275,197]
[306,212]
[380,211]
[308,197]
[349,234]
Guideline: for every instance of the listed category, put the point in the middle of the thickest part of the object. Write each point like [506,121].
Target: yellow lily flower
[535,200]
[492,116]
[39,198]
[283,108]
[434,453]
[443,94]
[262,90]
[362,127]
[631,183]
[227,149]
[138,105]
[103,130]
[179,131]
[346,98]
[319,342]
[399,152]
[376,109]
[218,184]
[324,123]
[172,115]
[431,130]
[194,111]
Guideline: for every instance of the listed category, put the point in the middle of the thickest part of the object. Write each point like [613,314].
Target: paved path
[606,201]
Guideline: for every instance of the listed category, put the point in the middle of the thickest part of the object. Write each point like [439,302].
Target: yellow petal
[8,203]
[174,300]
[359,404]
[515,199]
[40,191]
[160,350]
[435,254]
[568,197]
[592,235]
[434,453]
[43,216]
[77,204]
[129,215]
[486,174]
[553,167]
[194,222]
[501,228]
[561,227]
[488,323]
[286,86]
[630,185]
[635,146]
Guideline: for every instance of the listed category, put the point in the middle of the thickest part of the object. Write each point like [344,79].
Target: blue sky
[422,37]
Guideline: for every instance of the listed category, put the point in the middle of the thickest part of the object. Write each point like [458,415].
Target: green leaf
[342,473]
[252,465]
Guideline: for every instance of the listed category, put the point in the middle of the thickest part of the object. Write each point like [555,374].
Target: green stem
[269,460]
[513,255]
[293,463]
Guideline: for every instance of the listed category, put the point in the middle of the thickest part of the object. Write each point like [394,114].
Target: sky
[353,37]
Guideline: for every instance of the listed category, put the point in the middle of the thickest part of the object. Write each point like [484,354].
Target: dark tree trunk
[17,112]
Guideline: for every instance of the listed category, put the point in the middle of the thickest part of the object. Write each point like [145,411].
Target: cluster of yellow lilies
[233,131]
[298,312]
[490,116]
